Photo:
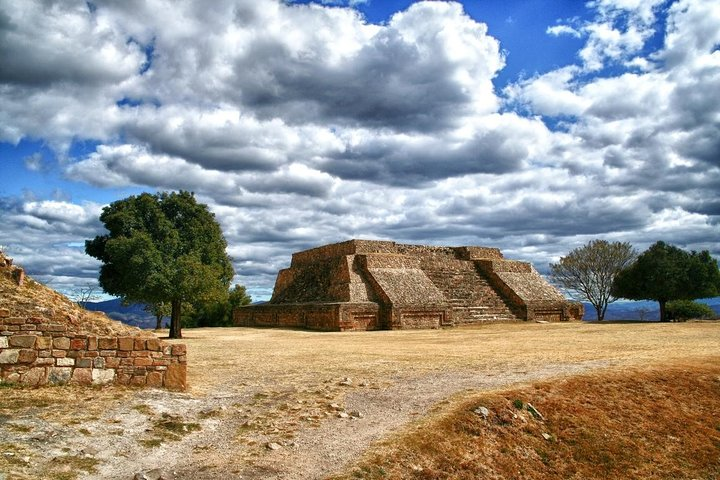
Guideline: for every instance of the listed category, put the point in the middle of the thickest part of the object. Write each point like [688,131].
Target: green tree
[164,247]
[219,313]
[588,272]
[681,310]
[159,310]
[664,273]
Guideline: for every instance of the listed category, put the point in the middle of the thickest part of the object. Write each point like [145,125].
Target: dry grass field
[295,404]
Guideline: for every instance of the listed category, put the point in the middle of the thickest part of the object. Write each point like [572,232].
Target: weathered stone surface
[43,343]
[102,376]
[176,377]
[4,342]
[62,343]
[65,362]
[35,376]
[82,376]
[107,343]
[179,349]
[154,379]
[125,343]
[78,344]
[371,285]
[59,375]
[27,355]
[9,356]
[23,341]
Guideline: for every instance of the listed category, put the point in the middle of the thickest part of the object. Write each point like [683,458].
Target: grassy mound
[637,424]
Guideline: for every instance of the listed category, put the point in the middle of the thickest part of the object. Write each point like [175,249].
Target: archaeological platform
[382,285]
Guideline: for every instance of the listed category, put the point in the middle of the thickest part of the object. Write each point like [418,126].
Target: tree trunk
[158,319]
[175,331]
[600,312]
[663,317]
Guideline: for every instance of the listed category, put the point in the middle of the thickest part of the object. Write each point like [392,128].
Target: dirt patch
[296,404]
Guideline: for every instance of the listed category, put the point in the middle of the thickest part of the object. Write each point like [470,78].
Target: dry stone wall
[46,339]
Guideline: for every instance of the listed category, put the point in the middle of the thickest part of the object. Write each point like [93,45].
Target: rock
[90,451]
[274,446]
[343,415]
[534,412]
[335,406]
[346,382]
[154,474]
[482,411]
[357,414]
[547,436]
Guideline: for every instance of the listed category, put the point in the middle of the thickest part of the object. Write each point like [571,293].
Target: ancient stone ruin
[47,339]
[380,285]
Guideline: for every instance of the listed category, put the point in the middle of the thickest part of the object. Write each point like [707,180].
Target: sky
[533,126]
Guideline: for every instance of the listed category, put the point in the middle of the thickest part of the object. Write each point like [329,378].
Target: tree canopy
[589,271]
[665,272]
[163,247]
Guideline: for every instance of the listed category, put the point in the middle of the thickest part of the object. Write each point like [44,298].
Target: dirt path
[278,404]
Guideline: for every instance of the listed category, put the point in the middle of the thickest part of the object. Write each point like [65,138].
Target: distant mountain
[639,310]
[133,314]
[621,310]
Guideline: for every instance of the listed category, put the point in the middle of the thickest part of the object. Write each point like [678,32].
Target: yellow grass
[652,423]
[253,386]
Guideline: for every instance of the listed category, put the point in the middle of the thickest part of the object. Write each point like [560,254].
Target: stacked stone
[36,352]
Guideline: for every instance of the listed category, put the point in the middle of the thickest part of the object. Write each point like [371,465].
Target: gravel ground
[280,404]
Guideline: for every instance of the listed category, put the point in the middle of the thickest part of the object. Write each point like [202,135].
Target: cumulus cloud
[303,124]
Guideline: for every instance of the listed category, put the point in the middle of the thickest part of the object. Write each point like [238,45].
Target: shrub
[686,309]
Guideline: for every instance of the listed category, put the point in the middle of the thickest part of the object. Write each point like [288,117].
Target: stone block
[59,375]
[35,377]
[54,328]
[112,362]
[4,342]
[139,343]
[78,344]
[65,362]
[9,356]
[59,353]
[102,376]
[143,362]
[27,355]
[84,363]
[126,344]
[137,380]
[153,344]
[123,378]
[100,362]
[154,379]
[4,313]
[43,343]
[176,377]
[82,376]
[107,343]
[62,343]
[92,343]
[45,361]
[179,349]
[44,353]
[14,321]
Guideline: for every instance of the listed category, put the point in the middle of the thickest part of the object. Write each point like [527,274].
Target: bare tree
[85,294]
[588,272]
